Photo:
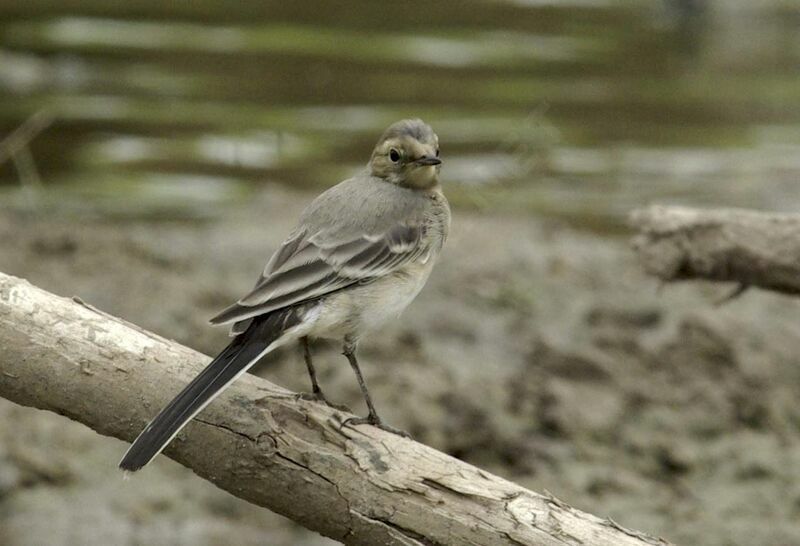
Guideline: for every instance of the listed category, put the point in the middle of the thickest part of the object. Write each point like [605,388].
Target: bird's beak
[424,161]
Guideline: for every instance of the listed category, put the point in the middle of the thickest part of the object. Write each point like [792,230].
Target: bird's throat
[422,178]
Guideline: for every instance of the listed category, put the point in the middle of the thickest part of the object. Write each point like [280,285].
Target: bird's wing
[308,266]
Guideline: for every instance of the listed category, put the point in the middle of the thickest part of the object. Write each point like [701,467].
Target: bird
[360,253]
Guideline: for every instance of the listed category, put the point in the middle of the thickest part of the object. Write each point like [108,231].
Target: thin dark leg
[316,391]
[350,353]
[312,373]
[372,418]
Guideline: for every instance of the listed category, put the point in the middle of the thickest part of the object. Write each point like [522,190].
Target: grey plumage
[360,229]
[360,253]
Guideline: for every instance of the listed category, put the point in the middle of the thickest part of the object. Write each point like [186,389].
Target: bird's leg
[312,373]
[350,353]
[316,391]
[372,418]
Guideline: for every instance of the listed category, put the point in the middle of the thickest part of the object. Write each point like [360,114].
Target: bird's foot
[319,397]
[375,421]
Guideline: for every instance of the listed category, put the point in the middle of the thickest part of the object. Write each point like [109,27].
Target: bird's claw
[319,397]
[375,421]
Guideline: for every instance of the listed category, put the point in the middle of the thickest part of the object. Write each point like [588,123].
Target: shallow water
[575,109]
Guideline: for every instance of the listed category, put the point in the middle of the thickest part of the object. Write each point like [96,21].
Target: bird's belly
[355,311]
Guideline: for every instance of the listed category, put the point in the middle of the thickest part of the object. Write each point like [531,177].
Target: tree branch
[260,443]
[747,247]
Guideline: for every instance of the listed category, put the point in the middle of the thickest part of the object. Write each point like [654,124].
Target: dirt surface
[540,353]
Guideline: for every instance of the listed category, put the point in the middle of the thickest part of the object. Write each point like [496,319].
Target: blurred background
[153,154]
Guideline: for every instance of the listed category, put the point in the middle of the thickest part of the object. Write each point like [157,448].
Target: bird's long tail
[245,350]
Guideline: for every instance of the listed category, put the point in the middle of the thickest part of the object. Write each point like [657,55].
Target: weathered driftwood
[747,247]
[260,443]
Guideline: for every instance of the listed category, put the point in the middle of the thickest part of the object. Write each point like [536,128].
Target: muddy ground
[538,352]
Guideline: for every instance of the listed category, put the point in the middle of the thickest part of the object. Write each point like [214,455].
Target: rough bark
[257,441]
[747,247]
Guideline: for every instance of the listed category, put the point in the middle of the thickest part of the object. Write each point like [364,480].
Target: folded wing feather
[307,267]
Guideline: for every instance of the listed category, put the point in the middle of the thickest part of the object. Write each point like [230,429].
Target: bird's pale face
[408,155]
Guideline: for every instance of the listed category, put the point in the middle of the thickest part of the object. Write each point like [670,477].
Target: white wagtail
[361,252]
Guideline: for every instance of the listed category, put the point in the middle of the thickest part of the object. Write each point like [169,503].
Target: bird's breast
[359,309]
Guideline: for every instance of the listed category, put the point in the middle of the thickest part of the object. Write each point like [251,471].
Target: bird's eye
[394,155]
[437,152]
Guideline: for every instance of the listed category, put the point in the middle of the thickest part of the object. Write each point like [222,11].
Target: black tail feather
[237,357]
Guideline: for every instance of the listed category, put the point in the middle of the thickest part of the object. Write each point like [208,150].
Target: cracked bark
[730,245]
[260,443]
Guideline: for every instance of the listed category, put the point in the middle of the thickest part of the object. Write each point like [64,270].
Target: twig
[16,148]
[24,134]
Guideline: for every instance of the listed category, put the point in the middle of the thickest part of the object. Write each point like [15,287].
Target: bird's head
[407,154]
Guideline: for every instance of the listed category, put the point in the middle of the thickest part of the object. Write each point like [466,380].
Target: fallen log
[730,245]
[261,443]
